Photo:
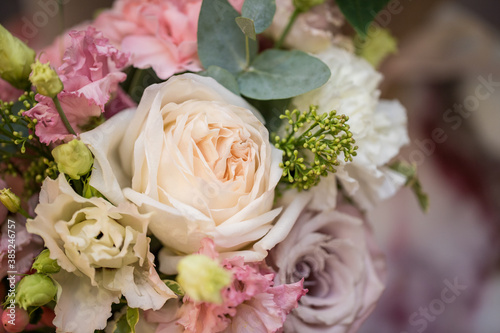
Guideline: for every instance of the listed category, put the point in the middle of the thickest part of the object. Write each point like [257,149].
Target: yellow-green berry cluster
[312,145]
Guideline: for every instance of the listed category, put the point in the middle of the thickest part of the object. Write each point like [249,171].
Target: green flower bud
[202,278]
[304,5]
[15,60]
[10,200]
[43,263]
[73,158]
[45,79]
[35,290]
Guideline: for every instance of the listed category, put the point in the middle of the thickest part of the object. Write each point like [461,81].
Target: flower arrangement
[194,166]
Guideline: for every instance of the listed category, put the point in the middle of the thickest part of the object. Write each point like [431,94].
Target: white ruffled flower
[103,251]
[379,128]
[199,158]
[335,254]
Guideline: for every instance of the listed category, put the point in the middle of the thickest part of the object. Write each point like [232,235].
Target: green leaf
[260,11]
[360,13]
[175,287]
[127,322]
[224,77]
[132,318]
[220,40]
[279,74]
[412,181]
[271,110]
[247,27]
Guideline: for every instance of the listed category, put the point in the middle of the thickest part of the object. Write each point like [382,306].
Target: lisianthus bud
[45,79]
[15,60]
[35,290]
[10,200]
[304,5]
[73,159]
[202,278]
[43,263]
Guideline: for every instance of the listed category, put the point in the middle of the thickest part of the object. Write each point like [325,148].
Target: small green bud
[43,263]
[10,200]
[45,79]
[73,158]
[35,290]
[15,60]
[202,278]
[379,43]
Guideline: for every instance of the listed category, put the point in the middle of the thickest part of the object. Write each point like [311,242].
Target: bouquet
[197,166]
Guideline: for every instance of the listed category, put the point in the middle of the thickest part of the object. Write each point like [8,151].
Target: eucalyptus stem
[62,115]
[247,50]
[291,21]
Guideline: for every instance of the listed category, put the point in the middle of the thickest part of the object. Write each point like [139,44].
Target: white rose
[379,128]
[335,254]
[104,253]
[199,158]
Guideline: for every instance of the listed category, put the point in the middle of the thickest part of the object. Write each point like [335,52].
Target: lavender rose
[334,252]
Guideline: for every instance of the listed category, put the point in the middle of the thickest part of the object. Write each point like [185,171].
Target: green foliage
[412,181]
[279,74]
[222,76]
[22,153]
[261,12]
[220,40]
[360,13]
[247,27]
[312,145]
[127,322]
[175,287]
[226,41]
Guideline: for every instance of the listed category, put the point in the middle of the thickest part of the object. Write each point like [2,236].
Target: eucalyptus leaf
[261,12]
[279,74]
[360,13]
[247,27]
[223,76]
[220,40]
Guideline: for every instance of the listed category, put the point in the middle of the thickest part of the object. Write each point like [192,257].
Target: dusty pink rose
[250,302]
[334,253]
[90,74]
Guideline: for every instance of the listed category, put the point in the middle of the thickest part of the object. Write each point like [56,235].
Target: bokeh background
[443,266]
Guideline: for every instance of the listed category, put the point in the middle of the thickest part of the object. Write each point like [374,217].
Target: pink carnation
[90,75]
[161,34]
[250,302]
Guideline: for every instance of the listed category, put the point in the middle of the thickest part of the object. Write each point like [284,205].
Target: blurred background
[443,266]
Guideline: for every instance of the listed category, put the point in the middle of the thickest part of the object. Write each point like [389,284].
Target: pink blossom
[161,34]
[250,304]
[8,93]
[90,76]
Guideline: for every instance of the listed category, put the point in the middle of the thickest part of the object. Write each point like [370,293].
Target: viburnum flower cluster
[172,173]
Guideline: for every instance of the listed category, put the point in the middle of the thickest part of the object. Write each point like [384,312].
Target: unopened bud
[45,79]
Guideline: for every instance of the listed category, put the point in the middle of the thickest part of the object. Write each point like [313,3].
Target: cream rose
[335,254]
[199,158]
[104,253]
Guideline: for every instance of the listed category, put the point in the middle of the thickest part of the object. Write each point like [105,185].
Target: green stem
[247,50]
[63,116]
[24,213]
[287,29]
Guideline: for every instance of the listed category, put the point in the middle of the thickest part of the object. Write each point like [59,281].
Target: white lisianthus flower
[335,253]
[379,128]
[199,158]
[103,251]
